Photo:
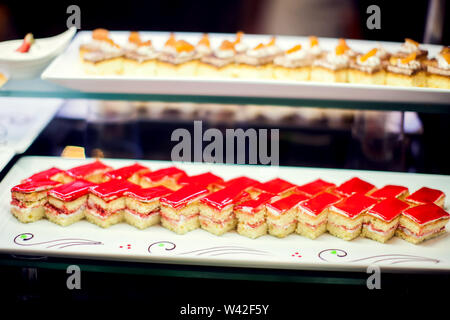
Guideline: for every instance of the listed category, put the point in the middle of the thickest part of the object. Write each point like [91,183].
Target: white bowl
[31,64]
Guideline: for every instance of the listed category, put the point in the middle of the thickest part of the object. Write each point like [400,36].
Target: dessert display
[142,206]
[422,222]
[140,197]
[409,65]
[180,210]
[66,203]
[382,219]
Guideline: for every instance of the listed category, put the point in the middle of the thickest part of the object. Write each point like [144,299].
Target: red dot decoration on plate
[128,246]
[296,254]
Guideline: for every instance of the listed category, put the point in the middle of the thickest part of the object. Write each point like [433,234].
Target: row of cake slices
[182,203]
[409,66]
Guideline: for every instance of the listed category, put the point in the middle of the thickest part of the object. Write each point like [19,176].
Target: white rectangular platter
[123,242]
[66,70]
[6,154]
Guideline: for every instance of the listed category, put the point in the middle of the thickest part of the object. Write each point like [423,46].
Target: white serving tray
[6,154]
[66,70]
[24,119]
[126,243]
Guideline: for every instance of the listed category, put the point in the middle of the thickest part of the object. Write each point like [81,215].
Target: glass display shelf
[37,88]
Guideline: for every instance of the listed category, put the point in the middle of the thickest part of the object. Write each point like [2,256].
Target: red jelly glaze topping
[355,185]
[184,195]
[244,182]
[389,191]
[315,187]
[35,186]
[319,203]
[388,209]
[172,172]
[426,213]
[72,190]
[354,205]
[204,179]
[111,189]
[287,203]
[425,195]
[224,197]
[125,172]
[254,205]
[44,175]
[87,169]
[147,194]
[275,186]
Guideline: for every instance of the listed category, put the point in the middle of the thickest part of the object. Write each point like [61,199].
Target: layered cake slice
[53,173]
[167,177]
[67,203]
[28,199]
[207,179]
[438,70]
[106,202]
[355,185]
[367,69]
[216,209]
[346,217]
[410,46]
[390,191]
[139,57]
[427,195]
[294,64]
[93,172]
[406,71]
[382,219]
[142,205]
[277,186]
[131,173]
[422,222]
[315,187]
[333,66]
[180,210]
[312,215]
[251,215]
[177,58]
[219,63]
[282,215]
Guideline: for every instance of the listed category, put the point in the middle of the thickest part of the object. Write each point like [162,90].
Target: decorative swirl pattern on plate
[166,245]
[330,255]
[24,238]
[224,250]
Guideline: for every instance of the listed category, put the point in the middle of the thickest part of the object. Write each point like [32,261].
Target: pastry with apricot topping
[177,58]
[219,63]
[140,56]
[438,70]
[411,46]
[333,66]
[406,71]
[294,64]
[367,69]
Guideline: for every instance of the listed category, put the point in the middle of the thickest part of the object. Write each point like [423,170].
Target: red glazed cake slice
[382,219]
[422,222]
[143,206]
[276,186]
[106,202]
[180,210]
[315,187]
[131,173]
[313,214]
[167,177]
[355,185]
[251,215]
[427,195]
[28,199]
[53,173]
[282,215]
[207,179]
[67,203]
[93,172]
[390,191]
[216,209]
[346,217]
